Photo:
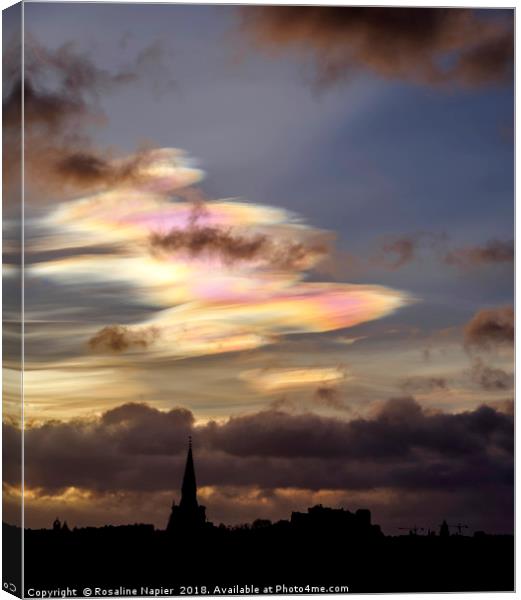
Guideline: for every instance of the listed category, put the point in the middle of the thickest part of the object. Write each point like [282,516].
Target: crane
[412,530]
[459,527]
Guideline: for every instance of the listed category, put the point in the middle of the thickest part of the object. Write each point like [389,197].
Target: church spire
[189,487]
[188,516]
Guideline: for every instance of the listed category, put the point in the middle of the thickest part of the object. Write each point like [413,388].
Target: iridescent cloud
[272,380]
[237,288]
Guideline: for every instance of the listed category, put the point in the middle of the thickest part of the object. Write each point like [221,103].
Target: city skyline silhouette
[258,314]
[231,553]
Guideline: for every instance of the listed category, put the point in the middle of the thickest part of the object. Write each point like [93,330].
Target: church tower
[188,516]
[189,486]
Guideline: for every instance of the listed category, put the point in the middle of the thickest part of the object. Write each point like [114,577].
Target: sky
[287,231]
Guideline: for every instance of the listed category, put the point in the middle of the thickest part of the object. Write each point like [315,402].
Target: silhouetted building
[188,516]
[261,524]
[444,529]
[323,520]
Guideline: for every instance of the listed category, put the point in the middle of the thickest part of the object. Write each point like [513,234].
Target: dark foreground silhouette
[314,552]
[262,556]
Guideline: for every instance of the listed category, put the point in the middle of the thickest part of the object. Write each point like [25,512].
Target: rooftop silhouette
[320,546]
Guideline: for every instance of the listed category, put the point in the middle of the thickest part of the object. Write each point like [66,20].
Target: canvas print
[258,322]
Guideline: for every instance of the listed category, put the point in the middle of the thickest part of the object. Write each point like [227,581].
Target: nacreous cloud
[225,276]
[269,380]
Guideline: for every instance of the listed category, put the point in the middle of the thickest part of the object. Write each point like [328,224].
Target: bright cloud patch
[272,380]
[225,275]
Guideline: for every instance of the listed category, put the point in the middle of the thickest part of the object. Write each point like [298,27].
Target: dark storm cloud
[118,338]
[423,384]
[136,447]
[233,247]
[494,251]
[489,328]
[424,45]
[62,89]
[490,378]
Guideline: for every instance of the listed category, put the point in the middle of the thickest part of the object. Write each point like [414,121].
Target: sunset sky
[287,231]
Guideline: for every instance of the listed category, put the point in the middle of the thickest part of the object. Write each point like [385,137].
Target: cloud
[118,338]
[494,251]
[150,169]
[396,252]
[489,328]
[487,62]
[61,90]
[506,406]
[234,248]
[329,397]
[62,86]
[80,82]
[87,169]
[276,379]
[432,46]
[237,504]
[402,251]
[137,447]
[135,451]
[490,378]
[420,384]
[221,286]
